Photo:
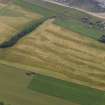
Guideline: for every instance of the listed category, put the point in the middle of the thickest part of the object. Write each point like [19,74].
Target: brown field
[76,58]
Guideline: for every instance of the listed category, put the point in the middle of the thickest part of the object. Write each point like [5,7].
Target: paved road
[90,13]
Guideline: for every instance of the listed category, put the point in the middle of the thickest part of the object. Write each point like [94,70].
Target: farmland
[68,91]
[51,45]
[65,17]
[14,89]
[58,55]
[9,20]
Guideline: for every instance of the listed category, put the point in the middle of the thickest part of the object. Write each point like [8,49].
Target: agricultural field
[62,51]
[48,56]
[68,91]
[10,15]
[69,18]
[14,89]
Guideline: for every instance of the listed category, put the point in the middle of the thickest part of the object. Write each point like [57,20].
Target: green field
[14,89]
[76,26]
[35,8]
[68,91]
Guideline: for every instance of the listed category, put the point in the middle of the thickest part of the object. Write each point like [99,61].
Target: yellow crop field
[74,57]
[12,19]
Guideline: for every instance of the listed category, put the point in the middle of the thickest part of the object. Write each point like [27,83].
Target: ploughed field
[59,61]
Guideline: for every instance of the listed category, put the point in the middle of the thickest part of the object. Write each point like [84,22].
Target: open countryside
[50,55]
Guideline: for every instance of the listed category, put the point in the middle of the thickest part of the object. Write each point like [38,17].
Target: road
[99,15]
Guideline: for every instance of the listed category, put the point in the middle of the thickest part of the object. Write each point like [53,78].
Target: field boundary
[33,69]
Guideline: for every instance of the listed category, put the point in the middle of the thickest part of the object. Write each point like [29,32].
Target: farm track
[68,54]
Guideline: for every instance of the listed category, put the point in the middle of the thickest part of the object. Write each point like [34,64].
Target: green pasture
[69,91]
[80,28]
[14,89]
